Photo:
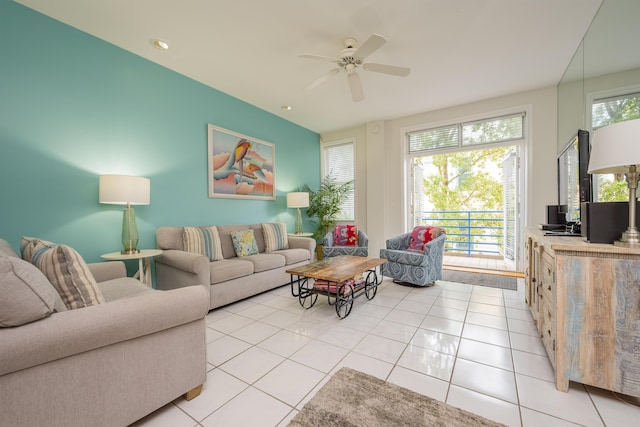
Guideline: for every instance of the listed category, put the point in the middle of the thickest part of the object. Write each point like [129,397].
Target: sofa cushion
[294,256]
[7,250]
[25,293]
[408,257]
[122,287]
[263,262]
[228,269]
[244,243]
[202,240]
[169,238]
[275,236]
[68,273]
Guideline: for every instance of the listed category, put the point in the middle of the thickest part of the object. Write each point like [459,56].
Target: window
[615,109]
[485,131]
[606,111]
[466,177]
[338,161]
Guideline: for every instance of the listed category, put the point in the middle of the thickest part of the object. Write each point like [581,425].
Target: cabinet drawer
[548,331]
[547,291]
[547,341]
[548,285]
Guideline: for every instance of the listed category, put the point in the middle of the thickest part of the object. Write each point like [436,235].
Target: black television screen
[574,183]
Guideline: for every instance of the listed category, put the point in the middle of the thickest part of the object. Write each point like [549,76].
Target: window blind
[486,131]
[339,163]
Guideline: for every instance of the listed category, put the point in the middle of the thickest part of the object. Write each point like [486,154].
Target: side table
[144,262]
[300,234]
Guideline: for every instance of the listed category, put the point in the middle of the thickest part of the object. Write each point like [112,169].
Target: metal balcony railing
[469,232]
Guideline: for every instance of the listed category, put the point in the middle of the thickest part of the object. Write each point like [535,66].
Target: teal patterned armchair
[410,266]
[330,249]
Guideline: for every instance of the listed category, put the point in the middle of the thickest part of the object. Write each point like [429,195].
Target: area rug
[351,398]
[491,280]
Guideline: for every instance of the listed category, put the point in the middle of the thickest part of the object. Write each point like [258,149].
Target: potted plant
[325,206]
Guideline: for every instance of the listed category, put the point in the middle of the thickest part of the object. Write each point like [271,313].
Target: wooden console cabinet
[585,300]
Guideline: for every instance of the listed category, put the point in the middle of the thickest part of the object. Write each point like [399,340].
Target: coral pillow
[345,235]
[421,235]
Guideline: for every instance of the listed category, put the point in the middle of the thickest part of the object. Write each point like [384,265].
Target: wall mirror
[606,63]
[604,69]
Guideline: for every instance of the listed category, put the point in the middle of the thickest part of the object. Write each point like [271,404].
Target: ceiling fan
[350,58]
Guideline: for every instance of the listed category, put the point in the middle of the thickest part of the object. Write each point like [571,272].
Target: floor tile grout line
[505,309]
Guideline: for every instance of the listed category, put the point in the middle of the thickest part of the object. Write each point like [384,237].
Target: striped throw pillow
[275,236]
[203,240]
[68,273]
[28,244]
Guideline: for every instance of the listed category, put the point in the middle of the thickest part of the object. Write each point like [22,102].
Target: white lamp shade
[124,189]
[298,200]
[615,147]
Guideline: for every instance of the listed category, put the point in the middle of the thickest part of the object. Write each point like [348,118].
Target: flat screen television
[574,183]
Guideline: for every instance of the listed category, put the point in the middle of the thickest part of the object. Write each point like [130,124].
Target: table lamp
[615,149]
[126,190]
[298,200]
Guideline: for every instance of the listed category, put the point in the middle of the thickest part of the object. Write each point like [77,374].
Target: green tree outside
[467,181]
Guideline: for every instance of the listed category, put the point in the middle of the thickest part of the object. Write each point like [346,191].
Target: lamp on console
[298,200]
[126,190]
[615,149]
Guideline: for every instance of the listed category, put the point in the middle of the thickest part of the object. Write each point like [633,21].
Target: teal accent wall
[73,107]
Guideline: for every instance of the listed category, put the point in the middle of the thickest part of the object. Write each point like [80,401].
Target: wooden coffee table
[342,279]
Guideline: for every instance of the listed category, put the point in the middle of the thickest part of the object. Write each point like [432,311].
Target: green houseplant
[325,204]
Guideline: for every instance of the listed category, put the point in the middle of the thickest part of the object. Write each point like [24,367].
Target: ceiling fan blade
[387,69]
[372,44]
[323,78]
[356,87]
[317,57]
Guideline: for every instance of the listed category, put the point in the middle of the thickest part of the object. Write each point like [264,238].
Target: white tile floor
[469,346]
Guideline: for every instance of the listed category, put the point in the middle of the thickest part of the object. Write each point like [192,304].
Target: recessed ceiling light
[286,107]
[160,44]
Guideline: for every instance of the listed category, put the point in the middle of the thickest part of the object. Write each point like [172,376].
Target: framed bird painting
[240,166]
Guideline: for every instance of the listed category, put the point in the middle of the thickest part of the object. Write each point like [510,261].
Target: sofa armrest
[302,243]
[186,261]
[103,271]
[436,246]
[328,239]
[76,331]
[363,239]
[177,269]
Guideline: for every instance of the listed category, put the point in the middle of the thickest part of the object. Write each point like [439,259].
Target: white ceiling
[459,51]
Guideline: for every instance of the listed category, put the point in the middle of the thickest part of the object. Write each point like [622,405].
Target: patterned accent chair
[410,266]
[329,249]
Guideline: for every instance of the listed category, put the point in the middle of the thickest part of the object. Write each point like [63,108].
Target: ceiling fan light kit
[350,58]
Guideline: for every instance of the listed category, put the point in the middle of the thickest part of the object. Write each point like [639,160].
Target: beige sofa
[232,278]
[105,365]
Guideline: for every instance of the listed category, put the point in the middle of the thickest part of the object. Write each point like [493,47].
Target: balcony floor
[482,263]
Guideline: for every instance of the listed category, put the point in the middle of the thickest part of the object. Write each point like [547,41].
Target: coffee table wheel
[307,298]
[345,302]
[371,285]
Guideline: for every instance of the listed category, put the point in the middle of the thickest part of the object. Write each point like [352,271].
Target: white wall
[380,156]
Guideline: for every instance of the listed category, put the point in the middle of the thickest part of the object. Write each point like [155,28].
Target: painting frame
[240,166]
